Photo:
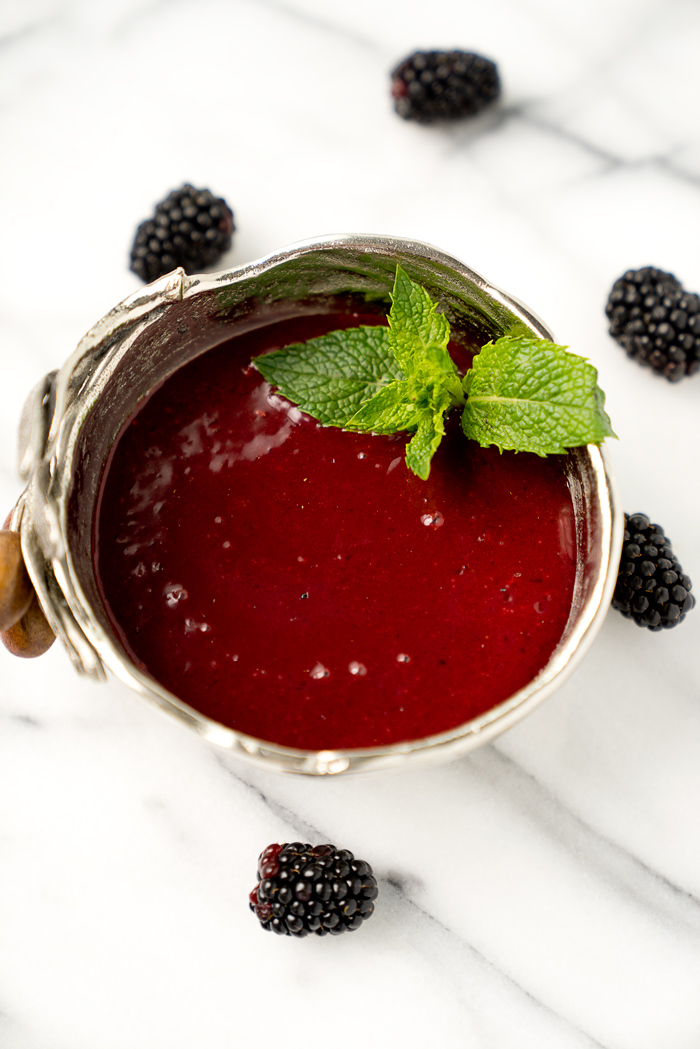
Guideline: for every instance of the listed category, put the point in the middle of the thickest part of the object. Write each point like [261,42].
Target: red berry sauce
[299,584]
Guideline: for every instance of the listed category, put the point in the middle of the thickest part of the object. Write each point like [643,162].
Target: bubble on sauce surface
[433,520]
[174,593]
[191,625]
[357,669]
[319,672]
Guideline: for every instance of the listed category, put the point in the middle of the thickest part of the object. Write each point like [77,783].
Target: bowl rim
[41,516]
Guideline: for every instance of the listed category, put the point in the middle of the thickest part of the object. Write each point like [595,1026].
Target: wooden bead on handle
[31,636]
[16,590]
[24,628]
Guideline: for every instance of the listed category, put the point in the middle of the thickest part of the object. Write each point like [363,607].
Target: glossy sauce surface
[297,583]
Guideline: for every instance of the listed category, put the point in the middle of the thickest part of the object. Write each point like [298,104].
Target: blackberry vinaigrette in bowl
[298,584]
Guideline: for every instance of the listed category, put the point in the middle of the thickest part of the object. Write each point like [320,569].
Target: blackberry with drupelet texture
[651,586]
[440,85]
[191,228]
[656,321]
[306,889]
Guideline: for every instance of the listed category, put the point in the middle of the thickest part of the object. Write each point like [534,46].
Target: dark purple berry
[651,587]
[191,228]
[320,890]
[656,322]
[443,85]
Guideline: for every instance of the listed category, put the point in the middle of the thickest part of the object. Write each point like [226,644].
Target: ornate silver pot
[73,417]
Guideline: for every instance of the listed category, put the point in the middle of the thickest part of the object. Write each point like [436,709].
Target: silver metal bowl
[72,418]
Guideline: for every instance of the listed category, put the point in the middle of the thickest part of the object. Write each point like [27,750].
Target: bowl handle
[24,628]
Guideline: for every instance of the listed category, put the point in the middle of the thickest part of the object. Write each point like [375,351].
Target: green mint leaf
[331,376]
[438,399]
[424,443]
[529,395]
[419,335]
[389,411]
[377,380]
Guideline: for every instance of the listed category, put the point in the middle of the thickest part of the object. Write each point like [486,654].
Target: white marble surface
[543,892]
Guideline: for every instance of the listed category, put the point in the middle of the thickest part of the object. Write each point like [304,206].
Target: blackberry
[191,228]
[651,587]
[304,889]
[656,321]
[438,85]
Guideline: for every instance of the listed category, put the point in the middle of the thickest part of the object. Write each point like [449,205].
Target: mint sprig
[522,393]
[418,337]
[530,395]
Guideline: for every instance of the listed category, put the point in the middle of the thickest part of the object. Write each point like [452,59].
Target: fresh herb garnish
[530,395]
[522,393]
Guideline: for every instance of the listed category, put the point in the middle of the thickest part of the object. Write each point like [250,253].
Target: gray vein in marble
[665,164]
[459,945]
[287,10]
[307,830]
[26,719]
[17,35]
[609,161]
[636,32]
[137,14]
[5,1021]
[493,121]
[8,1024]
[303,17]
[620,867]
[10,1027]
[395,882]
